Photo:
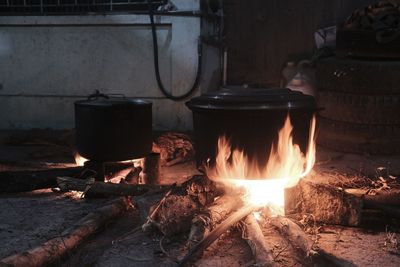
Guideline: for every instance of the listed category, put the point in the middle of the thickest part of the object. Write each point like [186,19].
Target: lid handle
[97,95]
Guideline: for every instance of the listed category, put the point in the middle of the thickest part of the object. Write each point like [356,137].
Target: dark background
[261,35]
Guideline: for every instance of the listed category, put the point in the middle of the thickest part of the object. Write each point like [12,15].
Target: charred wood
[151,169]
[176,210]
[391,211]
[234,218]
[133,176]
[300,241]
[390,197]
[89,186]
[23,181]
[152,216]
[209,217]
[175,214]
[57,247]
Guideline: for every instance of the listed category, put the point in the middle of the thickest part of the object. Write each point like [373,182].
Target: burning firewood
[253,235]
[217,232]
[208,218]
[57,247]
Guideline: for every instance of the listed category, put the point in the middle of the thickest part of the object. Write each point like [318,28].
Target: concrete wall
[48,62]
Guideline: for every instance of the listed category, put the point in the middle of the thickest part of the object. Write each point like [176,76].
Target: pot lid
[239,98]
[102,100]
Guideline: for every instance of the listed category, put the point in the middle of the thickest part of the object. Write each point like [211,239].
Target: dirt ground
[28,219]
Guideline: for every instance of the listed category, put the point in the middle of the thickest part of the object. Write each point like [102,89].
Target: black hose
[157,68]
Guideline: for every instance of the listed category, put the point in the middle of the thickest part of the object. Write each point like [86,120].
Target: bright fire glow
[136,162]
[79,160]
[286,165]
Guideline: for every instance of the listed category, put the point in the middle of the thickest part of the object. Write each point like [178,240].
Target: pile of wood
[203,210]
[383,15]
[174,148]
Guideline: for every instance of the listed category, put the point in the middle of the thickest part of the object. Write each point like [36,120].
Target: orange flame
[79,160]
[286,165]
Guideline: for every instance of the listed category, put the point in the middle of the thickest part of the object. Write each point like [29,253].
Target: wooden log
[52,250]
[118,176]
[174,148]
[89,186]
[328,204]
[217,232]
[175,214]
[148,224]
[178,209]
[151,169]
[12,165]
[208,218]
[291,231]
[392,211]
[391,197]
[133,176]
[255,239]
[23,181]
[300,241]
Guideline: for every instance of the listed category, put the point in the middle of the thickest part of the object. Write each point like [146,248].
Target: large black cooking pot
[250,118]
[113,128]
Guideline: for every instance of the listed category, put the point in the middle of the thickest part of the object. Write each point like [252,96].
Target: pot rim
[237,98]
[113,102]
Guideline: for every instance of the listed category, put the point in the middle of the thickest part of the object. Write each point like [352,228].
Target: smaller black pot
[250,118]
[113,129]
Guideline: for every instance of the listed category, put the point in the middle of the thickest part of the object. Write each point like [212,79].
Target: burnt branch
[254,237]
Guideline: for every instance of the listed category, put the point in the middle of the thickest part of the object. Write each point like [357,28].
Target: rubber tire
[358,76]
[359,138]
[362,109]
[363,44]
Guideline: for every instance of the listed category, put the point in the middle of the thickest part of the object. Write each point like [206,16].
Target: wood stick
[94,187]
[118,176]
[255,239]
[392,211]
[52,250]
[297,237]
[391,197]
[300,241]
[151,169]
[8,165]
[23,181]
[147,225]
[218,231]
[133,176]
[174,213]
[205,221]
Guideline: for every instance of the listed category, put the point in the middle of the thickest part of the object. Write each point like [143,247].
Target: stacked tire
[361,101]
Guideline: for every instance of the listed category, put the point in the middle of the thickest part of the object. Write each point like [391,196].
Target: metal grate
[53,7]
